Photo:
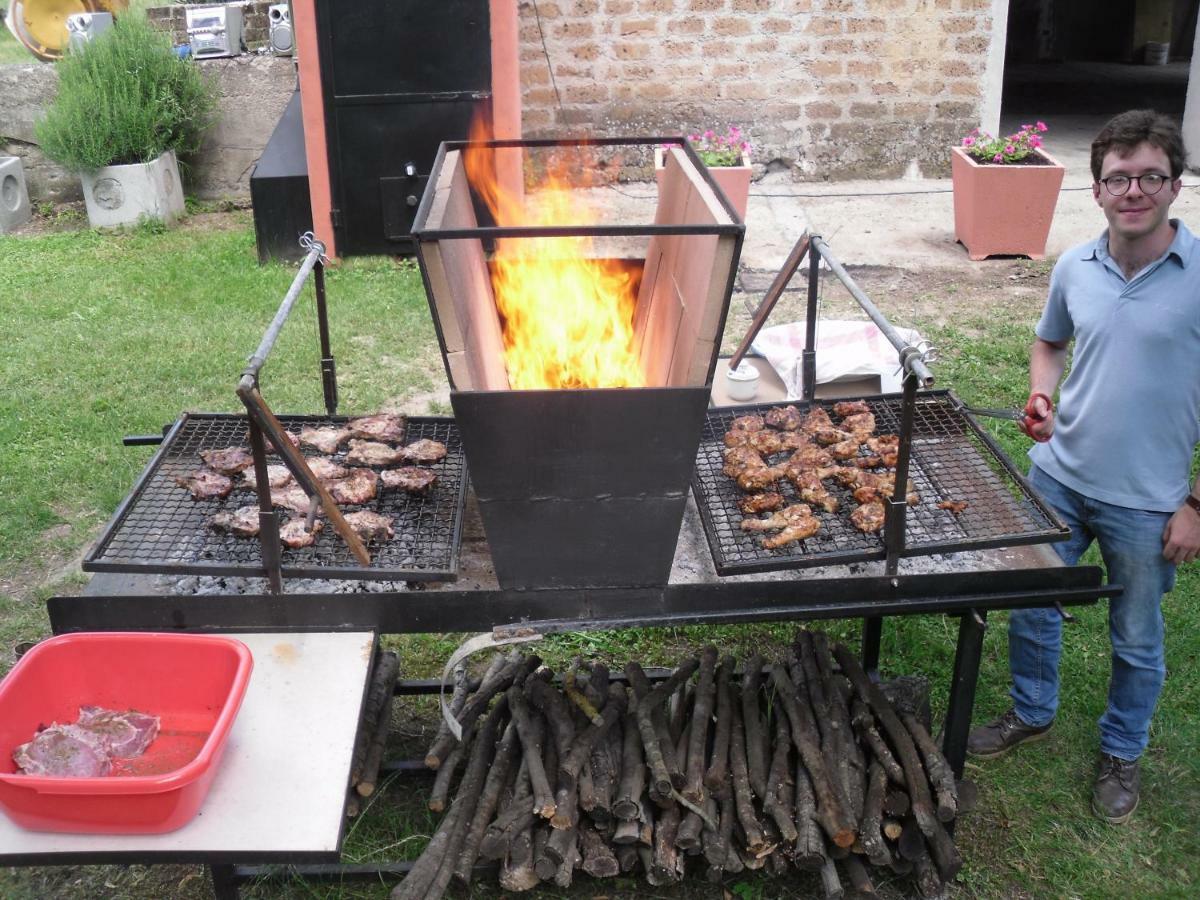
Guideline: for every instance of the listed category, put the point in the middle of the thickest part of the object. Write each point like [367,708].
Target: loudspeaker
[14,195]
[279,17]
[84,27]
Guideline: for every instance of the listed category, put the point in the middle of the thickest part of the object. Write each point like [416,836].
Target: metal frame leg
[967,655]
[224,880]
[872,633]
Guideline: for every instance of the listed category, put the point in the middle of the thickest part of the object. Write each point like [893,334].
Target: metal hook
[308,241]
[1066,616]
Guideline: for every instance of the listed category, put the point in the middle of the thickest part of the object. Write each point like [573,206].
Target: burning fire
[567,319]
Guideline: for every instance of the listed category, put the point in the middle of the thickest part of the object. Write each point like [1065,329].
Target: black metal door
[399,77]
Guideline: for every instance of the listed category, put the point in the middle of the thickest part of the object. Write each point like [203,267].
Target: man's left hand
[1181,537]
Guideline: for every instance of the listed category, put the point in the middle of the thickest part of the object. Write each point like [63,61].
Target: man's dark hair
[1125,131]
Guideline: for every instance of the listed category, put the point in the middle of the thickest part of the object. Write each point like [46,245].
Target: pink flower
[968,141]
[999,157]
[708,135]
[1041,126]
[1035,141]
[1010,149]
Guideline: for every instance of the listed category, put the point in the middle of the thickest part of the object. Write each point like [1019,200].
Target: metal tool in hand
[1025,418]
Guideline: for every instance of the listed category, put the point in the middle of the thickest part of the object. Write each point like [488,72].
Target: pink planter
[1004,210]
[734,181]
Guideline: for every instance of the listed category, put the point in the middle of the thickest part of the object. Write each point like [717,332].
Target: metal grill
[159,528]
[952,459]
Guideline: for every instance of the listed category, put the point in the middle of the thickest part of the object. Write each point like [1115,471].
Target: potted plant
[1005,191]
[727,157]
[126,105]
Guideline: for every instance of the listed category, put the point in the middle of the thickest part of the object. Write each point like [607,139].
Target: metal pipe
[264,348]
[912,361]
[808,357]
[328,367]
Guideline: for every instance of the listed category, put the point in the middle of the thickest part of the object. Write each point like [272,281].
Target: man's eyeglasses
[1150,183]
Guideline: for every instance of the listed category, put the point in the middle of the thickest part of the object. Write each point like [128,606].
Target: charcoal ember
[372,453]
[64,751]
[205,484]
[293,439]
[277,476]
[370,525]
[413,479]
[387,427]
[295,534]
[123,734]
[326,439]
[424,451]
[228,460]
[325,469]
[358,487]
[243,522]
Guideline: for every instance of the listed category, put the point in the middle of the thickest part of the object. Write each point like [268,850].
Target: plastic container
[742,382]
[193,683]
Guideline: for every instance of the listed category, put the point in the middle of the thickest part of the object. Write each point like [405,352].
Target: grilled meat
[738,438]
[294,534]
[811,457]
[325,469]
[785,418]
[205,484]
[370,525]
[886,447]
[325,439]
[816,420]
[243,522]
[357,487]
[827,436]
[954,506]
[424,451]
[850,408]
[799,530]
[861,425]
[387,427]
[277,476]
[760,503]
[808,485]
[293,439]
[372,453]
[747,423]
[413,479]
[759,479]
[868,518]
[228,460]
[779,519]
[847,449]
[867,462]
[739,459]
[291,497]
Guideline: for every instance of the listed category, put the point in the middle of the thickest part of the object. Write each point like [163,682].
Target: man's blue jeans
[1131,544]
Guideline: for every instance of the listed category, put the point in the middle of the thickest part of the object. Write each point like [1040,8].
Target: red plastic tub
[193,683]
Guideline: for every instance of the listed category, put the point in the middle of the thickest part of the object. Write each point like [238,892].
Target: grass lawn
[114,335]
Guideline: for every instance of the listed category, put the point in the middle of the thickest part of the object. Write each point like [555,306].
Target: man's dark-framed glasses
[1149,183]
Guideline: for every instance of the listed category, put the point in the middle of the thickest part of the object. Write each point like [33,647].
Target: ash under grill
[161,529]
[952,459]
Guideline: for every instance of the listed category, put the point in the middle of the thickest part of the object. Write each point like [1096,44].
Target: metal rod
[268,519]
[558,231]
[328,367]
[774,292]
[872,633]
[896,511]
[967,655]
[285,307]
[808,357]
[912,362]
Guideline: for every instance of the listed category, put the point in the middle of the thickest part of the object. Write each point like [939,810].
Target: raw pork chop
[228,460]
[382,427]
[357,487]
[324,439]
[122,734]
[370,525]
[63,750]
[243,522]
[413,479]
[424,451]
[295,535]
[372,453]
[205,484]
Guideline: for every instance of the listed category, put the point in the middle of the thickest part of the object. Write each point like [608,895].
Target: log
[896,803]
[743,797]
[856,872]
[380,692]
[666,866]
[543,797]
[756,756]
[830,815]
[941,776]
[627,805]
[929,885]
[627,858]
[809,851]
[599,861]
[566,869]
[663,778]
[576,695]
[834,746]
[420,877]
[440,791]
[581,748]
[495,680]
[518,873]
[688,836]
[698,738]
[545,867]
[519,814]
[864,726]
[628,831]
[778,802]
[911,844]
[369,777]
[838,690]
[497,777]
[830,881]
[458,698]
[870,826]
[892,828]
[716,779]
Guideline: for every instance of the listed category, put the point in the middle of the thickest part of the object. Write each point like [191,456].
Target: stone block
[14,195]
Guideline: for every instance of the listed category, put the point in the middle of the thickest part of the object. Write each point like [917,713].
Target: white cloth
[844,349]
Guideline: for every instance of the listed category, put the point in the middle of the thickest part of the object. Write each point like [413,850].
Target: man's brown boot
[1118,783]
[1000,735]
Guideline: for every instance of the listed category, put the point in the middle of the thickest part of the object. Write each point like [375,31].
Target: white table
[280,792]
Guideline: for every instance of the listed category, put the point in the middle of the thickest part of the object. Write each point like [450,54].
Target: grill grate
[952,459]
[159,528]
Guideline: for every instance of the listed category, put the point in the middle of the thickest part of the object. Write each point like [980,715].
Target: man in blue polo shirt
[1114,461]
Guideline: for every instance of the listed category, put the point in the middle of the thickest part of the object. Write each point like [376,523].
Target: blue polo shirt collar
[1181,248]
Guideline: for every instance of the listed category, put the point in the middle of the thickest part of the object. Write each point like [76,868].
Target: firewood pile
[802,762]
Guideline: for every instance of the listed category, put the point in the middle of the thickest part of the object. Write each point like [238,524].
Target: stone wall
[826,88]
[252,90]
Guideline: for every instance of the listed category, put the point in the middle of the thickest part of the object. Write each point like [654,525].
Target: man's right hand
[1039,417]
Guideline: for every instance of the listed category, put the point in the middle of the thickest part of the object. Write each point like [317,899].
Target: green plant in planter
[126,97]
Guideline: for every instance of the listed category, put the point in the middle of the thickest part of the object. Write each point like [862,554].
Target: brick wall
[827,88]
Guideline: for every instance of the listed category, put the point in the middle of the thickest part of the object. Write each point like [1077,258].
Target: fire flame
[567,319]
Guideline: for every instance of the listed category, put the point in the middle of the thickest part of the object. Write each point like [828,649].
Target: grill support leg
[224,881]
[872,631]
[808,356]
[967,654]
[268,517]
[328,368]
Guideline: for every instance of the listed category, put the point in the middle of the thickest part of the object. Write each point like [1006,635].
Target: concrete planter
[734,181]
[1004,210]
[122,195]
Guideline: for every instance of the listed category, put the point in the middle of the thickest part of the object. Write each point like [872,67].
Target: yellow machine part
[41,25]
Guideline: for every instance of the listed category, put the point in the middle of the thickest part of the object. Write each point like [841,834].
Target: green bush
[126,97]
